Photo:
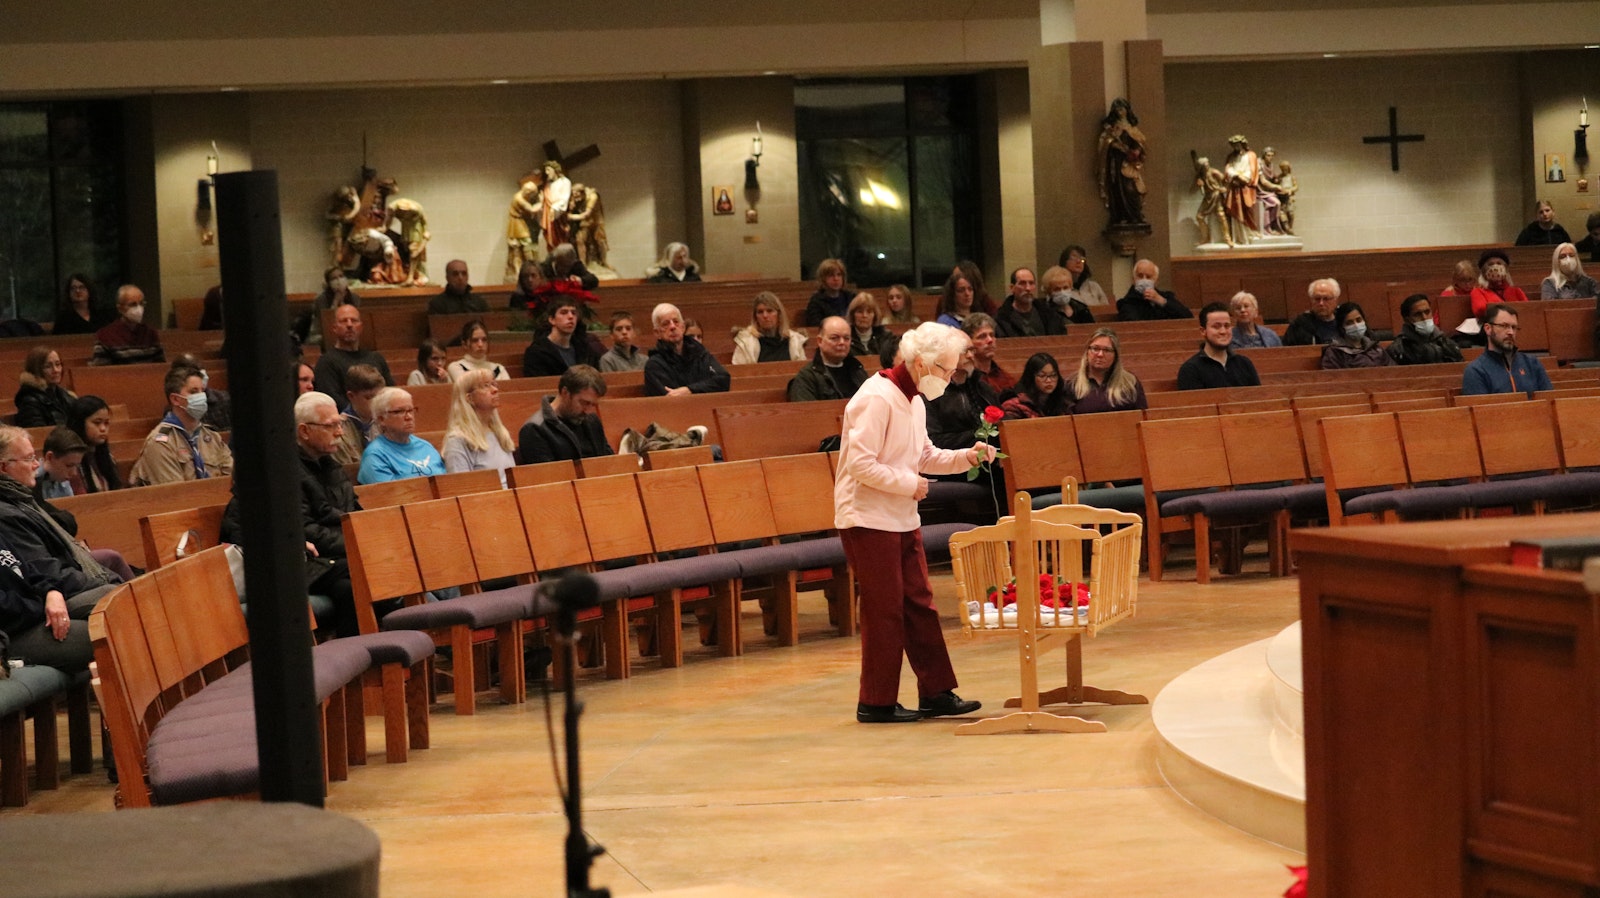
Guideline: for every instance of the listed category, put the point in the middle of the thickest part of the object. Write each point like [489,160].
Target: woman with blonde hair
[768,338]
[898,306]
[1102,384]
[477,439]
[866,333]
[1566,280]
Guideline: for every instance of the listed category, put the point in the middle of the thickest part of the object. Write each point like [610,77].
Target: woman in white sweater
[884,450]
[768,338]
[475,339]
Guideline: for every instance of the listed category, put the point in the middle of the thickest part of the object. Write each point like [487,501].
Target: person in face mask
[219,405]
[1353,348]
[128,340]
[1420,341]
[1567,280]
[181,447]
[1494,282]
[883,452]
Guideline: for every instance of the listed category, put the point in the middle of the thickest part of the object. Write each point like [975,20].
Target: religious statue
[1243,171]
[1278,182]
[1213,186]
[1267,194]
[555,195]
[358,230]
[414,235]
[521,222]
[587,219]
[1121,165]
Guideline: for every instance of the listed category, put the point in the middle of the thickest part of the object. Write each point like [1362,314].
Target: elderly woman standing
[477,440]
[768,338]
[1353,348]
[1566,280]
[41,400]
[884,450]
[396,452]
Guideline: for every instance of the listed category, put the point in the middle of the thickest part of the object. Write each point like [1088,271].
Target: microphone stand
[580,852]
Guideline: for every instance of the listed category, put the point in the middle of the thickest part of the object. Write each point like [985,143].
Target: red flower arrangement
[1053,593]
[549,290]
[1298,889]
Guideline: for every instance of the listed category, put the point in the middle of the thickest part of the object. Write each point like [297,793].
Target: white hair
[306,407]
[384,398]
[1311,289]
[930,342]
[660,310]
[1558,276]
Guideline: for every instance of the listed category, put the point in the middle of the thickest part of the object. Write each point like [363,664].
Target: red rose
[993,415]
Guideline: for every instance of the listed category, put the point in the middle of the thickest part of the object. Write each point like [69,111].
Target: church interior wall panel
[183,128]
[1453,188]
[1555,84]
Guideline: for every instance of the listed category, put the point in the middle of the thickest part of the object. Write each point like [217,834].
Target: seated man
[564,265]
[63,454]
[567,425]
[181,447]
[623,355]
[679,365]
[833,373]
[1501,369]
[564,345]
[1420,342]
[128,340]
[980,328]
[457,297]
[1215,365]
[1143,302]
[1020,316]
[326,495]
[346,351]
[362,382]
[1316,325]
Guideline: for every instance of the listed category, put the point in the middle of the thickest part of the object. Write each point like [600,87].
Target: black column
[266,477]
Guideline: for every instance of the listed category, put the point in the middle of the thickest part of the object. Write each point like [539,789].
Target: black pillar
[266,477]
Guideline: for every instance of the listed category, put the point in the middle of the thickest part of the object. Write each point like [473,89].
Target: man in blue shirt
[1501,369]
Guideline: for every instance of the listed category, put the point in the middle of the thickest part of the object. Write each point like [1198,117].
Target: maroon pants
[897,615]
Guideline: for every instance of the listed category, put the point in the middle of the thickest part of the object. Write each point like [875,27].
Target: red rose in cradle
[993,415]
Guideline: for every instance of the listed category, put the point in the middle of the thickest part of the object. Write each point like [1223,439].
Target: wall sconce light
[1580,137]
[202,213]
[751,182]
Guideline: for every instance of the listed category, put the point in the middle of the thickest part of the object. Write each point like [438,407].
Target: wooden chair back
[675,509]
[1578,421]
[613,517]
[686,457]
[800,489]
[1517,437]
[609,465]
[1262,447]
[495,535]
[1311,435]
[128,688]
[195,528]
[1461,399]
[1248,406]
[1382,401]
[1361,451]
[382,567]
[1183,454]
[1440,444]
[1180,411]
[1041,452]
[439,544]
[1411,405]
[1108,443]
[203,614]
[172,676]
[1337,399]
[543,472]
[463,483]
[391,493]
[554,526]
[736,498]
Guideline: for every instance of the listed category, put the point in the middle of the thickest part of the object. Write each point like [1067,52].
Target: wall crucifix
[1394,139]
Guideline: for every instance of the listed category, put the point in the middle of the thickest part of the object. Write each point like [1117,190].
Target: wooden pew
[765,430]
[110,520]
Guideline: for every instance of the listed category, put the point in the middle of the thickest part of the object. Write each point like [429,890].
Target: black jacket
[1011,323]
[874,343]
[1134,307]
[326,494]
[1307,329]
[694,368]
[40,404]
[665,276]
[44,555]
[1413,348]
[814,383]
[953,418]
[549,437]
[586,279]
[820,306]
[543,359]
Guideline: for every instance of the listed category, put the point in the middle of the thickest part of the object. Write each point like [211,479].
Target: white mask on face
[197,406]
[1144,284]
[135,313]
[1061,297]
[1424,327]
[1355,331]
[931,386]
[1569,264]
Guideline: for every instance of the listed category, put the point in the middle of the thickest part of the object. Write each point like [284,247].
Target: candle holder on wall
[1580,136]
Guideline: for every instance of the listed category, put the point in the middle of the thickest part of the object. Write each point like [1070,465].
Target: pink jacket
[883,447]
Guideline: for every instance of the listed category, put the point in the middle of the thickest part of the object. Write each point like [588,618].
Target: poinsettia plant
[987,430]
[1054,592]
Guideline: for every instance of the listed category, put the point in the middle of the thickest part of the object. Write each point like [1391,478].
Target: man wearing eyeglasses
[181,447]
[1501,368]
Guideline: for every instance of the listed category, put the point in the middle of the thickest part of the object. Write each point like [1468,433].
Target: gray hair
[660,310]
[930,342]
[1241,298]
[386,397]
[1311,289]
[10,436]
[307,406]
[563,251]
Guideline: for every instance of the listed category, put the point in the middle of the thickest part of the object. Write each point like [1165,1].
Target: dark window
[888,177]
[61,203]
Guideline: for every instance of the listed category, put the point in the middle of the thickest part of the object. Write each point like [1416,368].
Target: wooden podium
[1452,713]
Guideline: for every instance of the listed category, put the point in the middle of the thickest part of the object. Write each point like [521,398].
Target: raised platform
[1232,739]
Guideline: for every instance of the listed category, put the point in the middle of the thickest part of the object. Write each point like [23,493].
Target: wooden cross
[552,153]
[1394,139]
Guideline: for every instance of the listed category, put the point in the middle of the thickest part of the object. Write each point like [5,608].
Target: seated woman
[1248,331]
[866,333]
[1055,285]
[1463,279]
[831,297]
[41,400]
[675,267]
[475,337]
[477,440]
[768,337]
[90,418]
[396,452]
[1494,282]
[1566,280]
[336,292]
[1039,391]
[530,278]
[897,302]
[1420,341]
[431,366]
[45,614]
[77,313]
[956,303]
[981,300]
[1085,289]
[1102,384]
[1353,348]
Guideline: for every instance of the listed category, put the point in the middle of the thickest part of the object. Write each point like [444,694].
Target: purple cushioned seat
[404,647]
[936,537]
[1582,483]
[1433,499]
[1372,503]
[1231,503]
[228,767]
[175,728]
[825,551]
[486,609]
[760,561]
[334,664]
[678,573]
[614,584]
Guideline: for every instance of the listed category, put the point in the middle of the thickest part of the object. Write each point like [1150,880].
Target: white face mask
[134,313]
[197,405]
[1143,285]
[1356,331]
[1569,264]
[1061,297]
[931,386]
[1424,327]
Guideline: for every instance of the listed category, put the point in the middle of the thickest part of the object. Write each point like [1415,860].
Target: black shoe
[885,714]
[947,704]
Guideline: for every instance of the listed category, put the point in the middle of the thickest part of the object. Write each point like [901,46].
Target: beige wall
[720,118]
[1555,85]
[183,128]
[1009,233]
[1455,187]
